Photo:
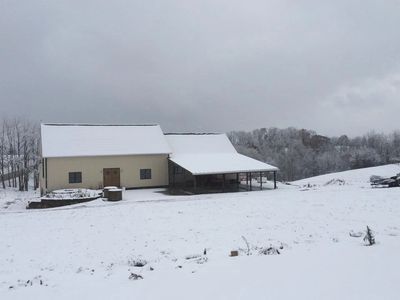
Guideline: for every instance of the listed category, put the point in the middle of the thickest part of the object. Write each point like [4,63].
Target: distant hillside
[301,153]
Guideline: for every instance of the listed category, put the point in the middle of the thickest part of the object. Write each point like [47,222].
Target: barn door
[111,177]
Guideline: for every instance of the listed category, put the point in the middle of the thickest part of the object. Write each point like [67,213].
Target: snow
[359,177]
[199,143]
[89,250]
[12,200]
[211,154]
[218,163]
[109,187]
[73,140]
[72,194]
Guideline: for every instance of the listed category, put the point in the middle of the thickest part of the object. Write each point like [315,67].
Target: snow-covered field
[90,250]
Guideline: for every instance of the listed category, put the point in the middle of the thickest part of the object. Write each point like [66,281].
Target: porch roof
[220,163]
[202,154]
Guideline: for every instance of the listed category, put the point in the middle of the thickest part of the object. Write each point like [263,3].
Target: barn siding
[92,171]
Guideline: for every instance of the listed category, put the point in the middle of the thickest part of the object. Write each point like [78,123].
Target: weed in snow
[192,256]
[369,237]
[137,262]
[248,252]
[37,280]
[134,276]
[269,251]
[198,258]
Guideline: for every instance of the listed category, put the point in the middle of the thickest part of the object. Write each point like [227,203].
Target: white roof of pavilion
[203,154]
[79,140]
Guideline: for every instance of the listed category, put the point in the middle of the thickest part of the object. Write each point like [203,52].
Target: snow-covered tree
[304,153]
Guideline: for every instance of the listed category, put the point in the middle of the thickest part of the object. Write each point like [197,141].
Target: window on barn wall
[145,174]
[75,177]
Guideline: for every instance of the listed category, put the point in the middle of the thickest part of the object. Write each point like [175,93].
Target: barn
[94,156]
[141,156]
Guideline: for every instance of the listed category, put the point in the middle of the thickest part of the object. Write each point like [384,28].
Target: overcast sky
[210,65]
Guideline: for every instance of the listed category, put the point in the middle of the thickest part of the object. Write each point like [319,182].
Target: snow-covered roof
[211,154]
[73,140]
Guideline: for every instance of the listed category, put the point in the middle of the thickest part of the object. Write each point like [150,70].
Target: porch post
[194,184]
[261,181]
[223,182]
[173,175]
[250,182]
[274,179]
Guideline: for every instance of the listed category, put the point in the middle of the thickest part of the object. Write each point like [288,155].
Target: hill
[293,243]
[358,177]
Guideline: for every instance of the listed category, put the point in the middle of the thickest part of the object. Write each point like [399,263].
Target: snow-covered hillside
[359,177]
[90,250]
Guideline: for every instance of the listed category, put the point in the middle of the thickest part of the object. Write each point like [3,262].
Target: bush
[369,237]
[269,251]
[137,262]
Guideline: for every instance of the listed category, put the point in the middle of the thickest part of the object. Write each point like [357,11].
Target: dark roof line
[88,124]
[192,133]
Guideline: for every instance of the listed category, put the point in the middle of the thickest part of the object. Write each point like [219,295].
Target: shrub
[369,237]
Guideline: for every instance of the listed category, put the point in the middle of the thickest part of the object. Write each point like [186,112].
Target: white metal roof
[202,154]
[73,140]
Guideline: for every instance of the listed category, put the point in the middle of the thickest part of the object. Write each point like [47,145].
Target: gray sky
[203,65]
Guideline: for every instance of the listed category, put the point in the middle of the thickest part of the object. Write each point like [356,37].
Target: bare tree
[19,153]
[2,154]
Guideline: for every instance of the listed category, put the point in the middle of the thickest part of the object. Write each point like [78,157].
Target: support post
[223,182]
[45,161]
[237,180]
[250,182]
[261,181]
[185,184]
[173,175]
[194,184]
[274,180]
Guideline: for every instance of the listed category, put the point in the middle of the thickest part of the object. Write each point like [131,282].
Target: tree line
[19,153]
[301,153]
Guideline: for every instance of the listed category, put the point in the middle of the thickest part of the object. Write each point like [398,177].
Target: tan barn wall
[92,171]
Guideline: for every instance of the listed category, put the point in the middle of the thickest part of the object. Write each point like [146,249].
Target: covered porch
[186,180]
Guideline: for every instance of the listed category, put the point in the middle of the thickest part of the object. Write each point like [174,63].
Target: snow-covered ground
[11,200]
[89,250]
